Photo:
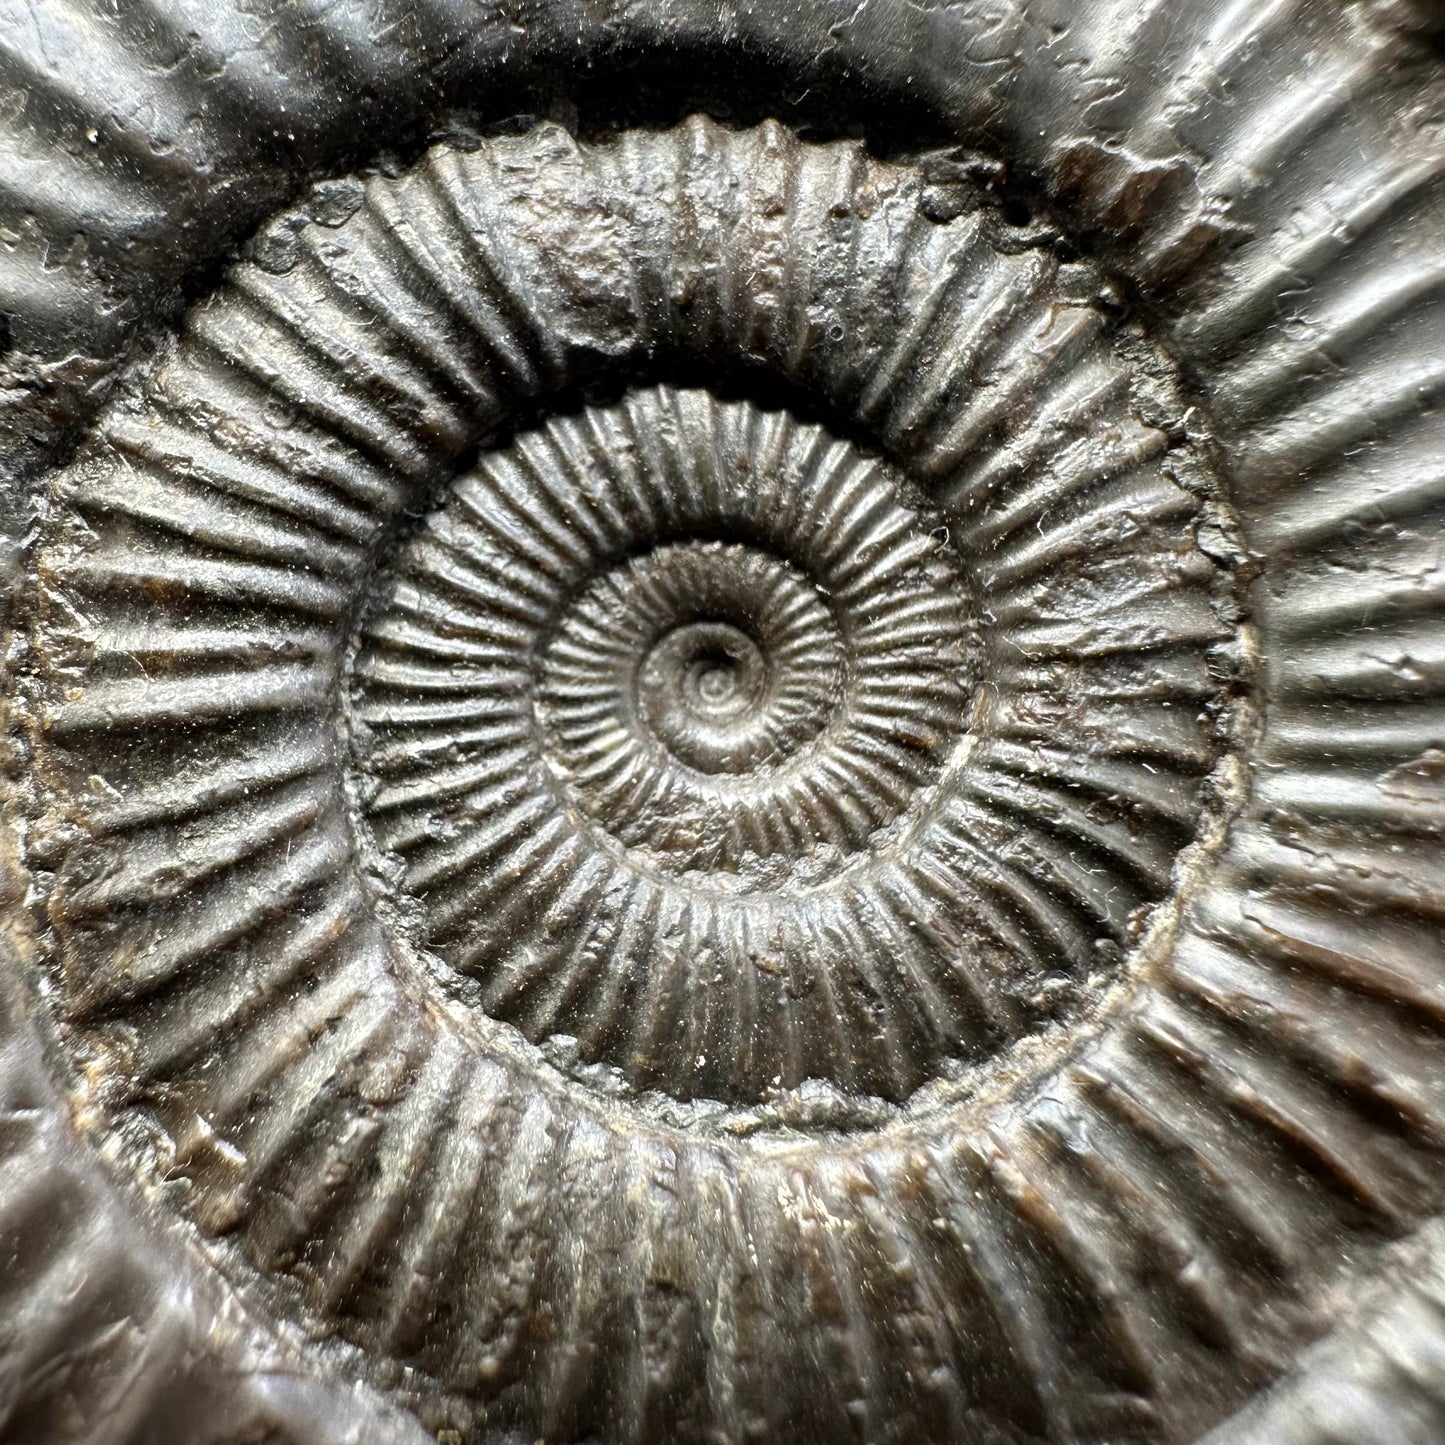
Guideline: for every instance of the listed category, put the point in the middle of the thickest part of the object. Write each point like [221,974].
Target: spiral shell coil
[708,780]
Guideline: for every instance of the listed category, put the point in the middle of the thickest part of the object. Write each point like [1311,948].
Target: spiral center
[699,687]
[722,680]
[715,681]
[721,669]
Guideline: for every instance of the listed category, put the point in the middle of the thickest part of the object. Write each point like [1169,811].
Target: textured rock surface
[722,726]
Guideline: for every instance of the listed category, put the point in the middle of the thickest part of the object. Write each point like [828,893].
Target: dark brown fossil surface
[722,724]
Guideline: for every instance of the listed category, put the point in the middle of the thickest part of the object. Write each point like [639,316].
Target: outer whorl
[678,781]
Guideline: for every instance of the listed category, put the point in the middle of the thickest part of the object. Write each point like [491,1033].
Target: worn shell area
[1119,1254]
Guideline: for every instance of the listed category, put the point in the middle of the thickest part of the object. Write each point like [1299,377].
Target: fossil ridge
[683,778]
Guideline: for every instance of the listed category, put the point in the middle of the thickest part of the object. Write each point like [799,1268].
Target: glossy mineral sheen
[691,764]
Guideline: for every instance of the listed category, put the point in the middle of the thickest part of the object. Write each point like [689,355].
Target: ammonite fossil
[723,724]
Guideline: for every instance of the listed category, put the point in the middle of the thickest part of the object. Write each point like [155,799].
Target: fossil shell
[685,778]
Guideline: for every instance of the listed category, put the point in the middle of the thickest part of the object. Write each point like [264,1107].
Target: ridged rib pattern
[845,867]
[1152,1223]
